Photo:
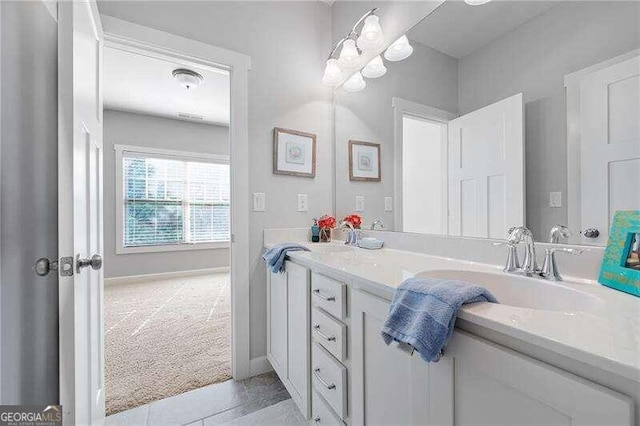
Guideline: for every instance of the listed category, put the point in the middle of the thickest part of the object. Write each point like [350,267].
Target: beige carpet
[163,338]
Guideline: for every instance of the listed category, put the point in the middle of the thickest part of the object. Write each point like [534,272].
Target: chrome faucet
[549,267]
[557,232]
[353,235]
[377,222]
[522,234]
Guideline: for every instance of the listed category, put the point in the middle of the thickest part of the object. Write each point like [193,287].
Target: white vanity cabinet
[476,382]
[388,385]
[288,331]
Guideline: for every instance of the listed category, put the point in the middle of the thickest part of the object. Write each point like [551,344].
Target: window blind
[174,201]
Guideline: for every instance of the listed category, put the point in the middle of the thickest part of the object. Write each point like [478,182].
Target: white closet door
[486,170]
[609,145]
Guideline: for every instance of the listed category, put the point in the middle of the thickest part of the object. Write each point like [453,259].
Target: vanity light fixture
[399,50]
[187,78]
[476,2]
[332,73]
[375,68]
[355,83]
[349,58]
[371,36]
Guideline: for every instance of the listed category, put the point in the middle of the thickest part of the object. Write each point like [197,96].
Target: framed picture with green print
[621,264]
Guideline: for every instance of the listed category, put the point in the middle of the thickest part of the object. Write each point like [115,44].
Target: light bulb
[355,83]
[399,50]
[476,2]
[349,57]
[375,68]
[332,73]
[371,36]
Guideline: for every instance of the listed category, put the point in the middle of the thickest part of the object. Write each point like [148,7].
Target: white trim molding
[164,275]
[135,38]
[401,108]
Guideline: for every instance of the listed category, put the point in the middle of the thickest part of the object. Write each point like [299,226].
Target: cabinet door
[389,387]
[277,322]
[299,335]
[480,383]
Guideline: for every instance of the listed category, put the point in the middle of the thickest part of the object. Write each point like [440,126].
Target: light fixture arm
[353,34]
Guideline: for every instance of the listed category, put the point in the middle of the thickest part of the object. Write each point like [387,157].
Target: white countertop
[607,337]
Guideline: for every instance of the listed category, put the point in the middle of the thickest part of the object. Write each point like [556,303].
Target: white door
[486,170]
[609,145]
[80,212]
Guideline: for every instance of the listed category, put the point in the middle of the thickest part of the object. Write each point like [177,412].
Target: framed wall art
[621,264]
[294,153]
[364,161]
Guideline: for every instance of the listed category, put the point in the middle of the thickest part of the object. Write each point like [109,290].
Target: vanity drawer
[322,414]
[329,379]
[330,333]
[329,295]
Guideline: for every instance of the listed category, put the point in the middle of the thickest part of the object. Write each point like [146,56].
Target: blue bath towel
[423,313]
[275,255]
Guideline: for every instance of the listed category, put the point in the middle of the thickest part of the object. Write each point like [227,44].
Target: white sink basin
[329,247]
[524,292]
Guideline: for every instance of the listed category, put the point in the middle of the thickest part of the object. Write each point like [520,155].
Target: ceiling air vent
[187,116]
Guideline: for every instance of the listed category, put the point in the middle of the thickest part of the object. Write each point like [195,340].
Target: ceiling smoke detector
[187,78]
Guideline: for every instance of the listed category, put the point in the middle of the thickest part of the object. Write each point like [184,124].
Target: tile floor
[260,400]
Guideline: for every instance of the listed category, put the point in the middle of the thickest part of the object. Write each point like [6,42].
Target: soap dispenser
[315,232]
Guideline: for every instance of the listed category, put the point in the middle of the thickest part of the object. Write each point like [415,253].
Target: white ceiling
[143,84]
[458,29]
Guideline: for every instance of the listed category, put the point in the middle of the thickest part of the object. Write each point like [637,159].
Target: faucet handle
[549,267]
[512,264]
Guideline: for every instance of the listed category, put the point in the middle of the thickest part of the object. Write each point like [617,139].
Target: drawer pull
[316,327]
[316,372]
[323,297]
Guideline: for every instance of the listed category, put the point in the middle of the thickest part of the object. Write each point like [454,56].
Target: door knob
[591,233]
[43,266]
[94,261]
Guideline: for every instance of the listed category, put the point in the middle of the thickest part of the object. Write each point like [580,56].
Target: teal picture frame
[620,267]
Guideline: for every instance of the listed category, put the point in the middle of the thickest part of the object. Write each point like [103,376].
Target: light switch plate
[555,199]
[388,204]
[303,203]
[259,202]
[359,203]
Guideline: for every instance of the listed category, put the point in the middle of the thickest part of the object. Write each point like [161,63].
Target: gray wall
[288,43]
[28,200]
[534,58]
[368,116]
[124,128]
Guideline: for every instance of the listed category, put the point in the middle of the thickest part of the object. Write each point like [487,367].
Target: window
[171,200]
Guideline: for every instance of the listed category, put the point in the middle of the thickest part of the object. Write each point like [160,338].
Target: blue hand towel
[423,313]
[275,255]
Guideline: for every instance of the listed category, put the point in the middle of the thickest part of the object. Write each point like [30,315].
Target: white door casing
[80,43]
[404,108]
[486,170]
[162,45]
[609,145]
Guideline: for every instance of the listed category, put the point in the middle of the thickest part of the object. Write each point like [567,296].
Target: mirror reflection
[506,114]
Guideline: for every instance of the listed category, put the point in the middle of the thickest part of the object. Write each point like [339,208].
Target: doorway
[178,222]
[167,307]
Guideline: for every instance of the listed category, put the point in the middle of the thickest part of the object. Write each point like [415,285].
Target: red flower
[354,219]
[327,222]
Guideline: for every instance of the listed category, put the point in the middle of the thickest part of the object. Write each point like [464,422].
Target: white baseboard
[260,365]
[164,275]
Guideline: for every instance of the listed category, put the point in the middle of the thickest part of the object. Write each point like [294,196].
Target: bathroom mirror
[507,113]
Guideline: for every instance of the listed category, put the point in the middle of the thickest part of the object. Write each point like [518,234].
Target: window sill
[173,247]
